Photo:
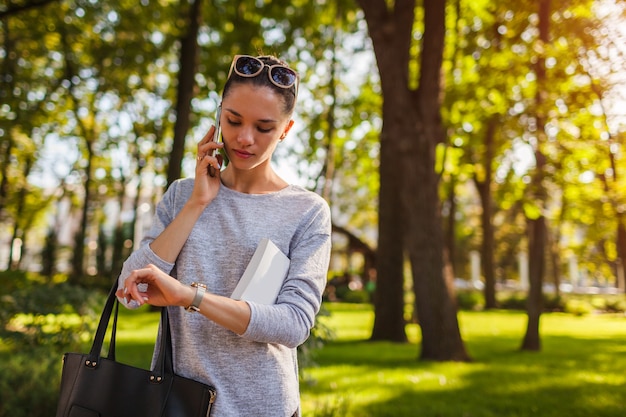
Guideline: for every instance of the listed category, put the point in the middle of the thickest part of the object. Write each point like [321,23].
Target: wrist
[197,295]
[197,204]
[186,295]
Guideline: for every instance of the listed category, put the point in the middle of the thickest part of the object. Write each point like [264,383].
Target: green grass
[136,336]
[580,371]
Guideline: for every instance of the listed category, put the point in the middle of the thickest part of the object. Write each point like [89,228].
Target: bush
[40,322]
[357,297]
[578,307]
[49,314]
[470,300]
[320,334]
[553,303]
[513,301]
[29,383]
[615,305]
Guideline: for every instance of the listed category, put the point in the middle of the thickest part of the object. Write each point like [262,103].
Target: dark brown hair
[288,95]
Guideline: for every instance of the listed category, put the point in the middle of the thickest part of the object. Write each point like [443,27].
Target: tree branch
[15,9]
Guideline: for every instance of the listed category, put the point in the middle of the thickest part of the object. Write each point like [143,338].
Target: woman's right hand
[152,286]
[207,181]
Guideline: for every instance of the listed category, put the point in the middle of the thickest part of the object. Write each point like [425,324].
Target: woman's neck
[252,182]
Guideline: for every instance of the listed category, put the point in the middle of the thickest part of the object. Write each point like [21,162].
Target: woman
[205,232]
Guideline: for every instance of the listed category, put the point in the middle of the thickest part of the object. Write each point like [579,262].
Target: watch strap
[197,299]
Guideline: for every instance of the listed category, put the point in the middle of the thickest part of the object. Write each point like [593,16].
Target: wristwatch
[197,299]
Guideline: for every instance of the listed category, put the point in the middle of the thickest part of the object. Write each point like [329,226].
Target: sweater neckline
[255,195]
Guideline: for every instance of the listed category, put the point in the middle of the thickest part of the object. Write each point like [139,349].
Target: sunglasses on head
[279,74]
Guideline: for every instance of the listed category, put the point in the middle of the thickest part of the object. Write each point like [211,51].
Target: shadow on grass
[570,377]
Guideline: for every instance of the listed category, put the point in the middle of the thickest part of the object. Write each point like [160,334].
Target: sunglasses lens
[248,65]
[283,76]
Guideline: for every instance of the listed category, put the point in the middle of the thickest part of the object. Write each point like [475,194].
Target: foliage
[320,335]
[29,383]
[47,314]
[40,321]
[578,307]
[470,300]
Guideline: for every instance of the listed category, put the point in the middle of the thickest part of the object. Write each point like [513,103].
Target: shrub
[615,305]
[40,321]
[29,382]
[49,314]
[578,307]
[357,296]
[470,300]
[320,334]
[513,301]
[553,303]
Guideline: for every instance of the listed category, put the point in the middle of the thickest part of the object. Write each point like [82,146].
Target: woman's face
[253,122]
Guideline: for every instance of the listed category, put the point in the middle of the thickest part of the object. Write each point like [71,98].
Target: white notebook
[264,275]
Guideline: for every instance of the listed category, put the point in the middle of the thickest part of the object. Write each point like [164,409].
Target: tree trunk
[409,207]
[484,190]
[119,235]
[536,262]
[78,256]
[391,34]
[6,90]
[537,225]
[389,319]
[450,221]
[185,90]
[621,250]
[329,163]
[436,305]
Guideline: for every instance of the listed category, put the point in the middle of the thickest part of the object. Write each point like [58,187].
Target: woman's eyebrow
[234,113]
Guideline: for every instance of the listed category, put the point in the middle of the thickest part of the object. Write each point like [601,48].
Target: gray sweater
[255,374]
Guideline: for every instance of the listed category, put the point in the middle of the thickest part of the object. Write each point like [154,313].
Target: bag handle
[163,364]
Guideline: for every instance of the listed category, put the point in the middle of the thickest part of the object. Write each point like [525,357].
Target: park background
[471,153]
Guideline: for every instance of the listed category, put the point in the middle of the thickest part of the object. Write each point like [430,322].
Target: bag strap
[111,354]
[164,362]
[96,347]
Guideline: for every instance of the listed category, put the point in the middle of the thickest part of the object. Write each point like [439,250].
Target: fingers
[209,148]
[207,138]
[136,286]
[210,164]
[207,158]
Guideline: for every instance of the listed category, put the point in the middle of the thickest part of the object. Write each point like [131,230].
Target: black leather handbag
[96,386]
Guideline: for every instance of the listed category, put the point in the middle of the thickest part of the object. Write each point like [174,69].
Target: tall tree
[412,128]
[188,62]
[536,216]
[391,31]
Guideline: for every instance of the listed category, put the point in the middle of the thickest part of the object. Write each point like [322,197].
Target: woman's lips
[242,154]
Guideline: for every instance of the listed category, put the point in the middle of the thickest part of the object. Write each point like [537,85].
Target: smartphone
[217,136]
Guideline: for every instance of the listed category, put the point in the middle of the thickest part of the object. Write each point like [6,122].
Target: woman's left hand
[160,289]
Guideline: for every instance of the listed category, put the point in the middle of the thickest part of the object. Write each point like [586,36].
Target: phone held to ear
[217,136]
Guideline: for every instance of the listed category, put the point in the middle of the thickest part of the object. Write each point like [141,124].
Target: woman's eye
[262,130]
[233,122]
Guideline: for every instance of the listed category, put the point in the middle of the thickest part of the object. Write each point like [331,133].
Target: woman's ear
[287,129]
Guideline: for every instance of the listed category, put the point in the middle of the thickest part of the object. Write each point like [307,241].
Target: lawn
[580,371]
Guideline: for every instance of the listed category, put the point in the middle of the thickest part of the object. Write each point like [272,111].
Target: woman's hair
[288,95]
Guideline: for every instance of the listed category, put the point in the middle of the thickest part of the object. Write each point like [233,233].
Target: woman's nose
[245,136]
